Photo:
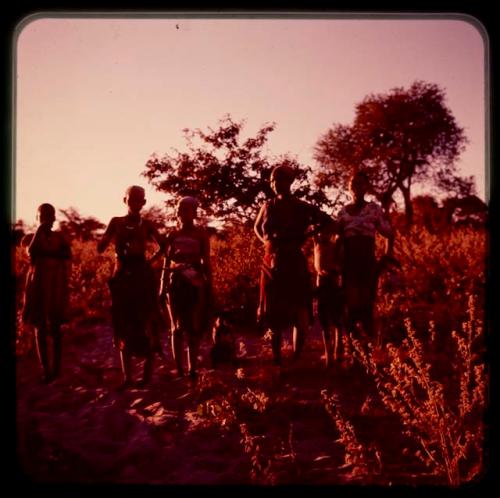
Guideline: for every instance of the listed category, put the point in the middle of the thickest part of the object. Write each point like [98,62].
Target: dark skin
[46,218]
[135,201]
[281,185]
[359,188]
[332,348]
[186,214]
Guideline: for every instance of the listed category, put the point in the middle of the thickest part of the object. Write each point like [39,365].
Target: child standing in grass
[46,297]
[329,295]
[187,282]
[133,286]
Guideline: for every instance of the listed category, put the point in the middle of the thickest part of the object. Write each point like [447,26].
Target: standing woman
[358,223]
[283,225]
[133,286]
[46,298]
[187,282]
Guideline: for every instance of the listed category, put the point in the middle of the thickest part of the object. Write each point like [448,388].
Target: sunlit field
[404,407]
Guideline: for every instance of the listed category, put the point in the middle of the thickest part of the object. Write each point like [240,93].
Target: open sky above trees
[97,97]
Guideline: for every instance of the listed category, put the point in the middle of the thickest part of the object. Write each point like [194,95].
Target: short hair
[189,200]
[46,207]
[360,174]
[135,188]
[284,171]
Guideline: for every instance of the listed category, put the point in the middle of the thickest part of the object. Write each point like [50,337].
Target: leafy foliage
[404,137]
[228,174]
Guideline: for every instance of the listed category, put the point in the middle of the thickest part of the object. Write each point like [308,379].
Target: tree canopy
[228,174]
[78,226]
[399,138]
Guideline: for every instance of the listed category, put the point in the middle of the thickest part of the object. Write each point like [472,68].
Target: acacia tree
[400,138]
[229,175]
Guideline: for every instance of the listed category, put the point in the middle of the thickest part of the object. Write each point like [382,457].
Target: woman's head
[360,184]
[135,198]
[187,208]
[282,178]
[46,214]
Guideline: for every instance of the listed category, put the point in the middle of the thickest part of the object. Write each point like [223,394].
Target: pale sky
[96,97]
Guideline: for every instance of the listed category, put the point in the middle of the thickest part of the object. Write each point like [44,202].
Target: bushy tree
[78,226]
[400,138]
[229,175]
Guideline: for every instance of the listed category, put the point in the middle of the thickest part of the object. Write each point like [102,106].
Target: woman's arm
[107,236]
[258,224]
[385,229]
[320,222]
[159,239]
[164,279]
[36,245]
[206,262]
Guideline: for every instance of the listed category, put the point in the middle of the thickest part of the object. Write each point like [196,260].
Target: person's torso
[131,237]
[286,220]
[359,222]
[185,247]
[51,246]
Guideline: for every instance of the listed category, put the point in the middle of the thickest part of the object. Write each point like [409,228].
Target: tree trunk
[408,206]
[386,200]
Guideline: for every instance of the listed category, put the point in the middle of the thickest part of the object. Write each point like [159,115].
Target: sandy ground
[81,428]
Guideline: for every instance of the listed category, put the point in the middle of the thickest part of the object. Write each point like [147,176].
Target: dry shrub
[445,420]
[438,272]
[236,258]
[361,462]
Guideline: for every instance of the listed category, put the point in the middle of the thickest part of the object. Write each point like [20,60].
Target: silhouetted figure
[46,297]
[358,223]
[329,294]
[223,347]
[133,286]
[283,224]
[187,284]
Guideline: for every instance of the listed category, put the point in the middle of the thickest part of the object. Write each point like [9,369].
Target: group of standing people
[345,265]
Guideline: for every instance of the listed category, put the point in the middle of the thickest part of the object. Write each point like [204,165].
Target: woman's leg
[57,351]
[193,347]
[41,349]
[198,324]
[324,320]
[299,331]
[126,364]
[177,348]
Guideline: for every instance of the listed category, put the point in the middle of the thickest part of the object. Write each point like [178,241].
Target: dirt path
[81,428]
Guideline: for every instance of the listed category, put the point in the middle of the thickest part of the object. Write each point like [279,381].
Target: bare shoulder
[115,222]
[171,234]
